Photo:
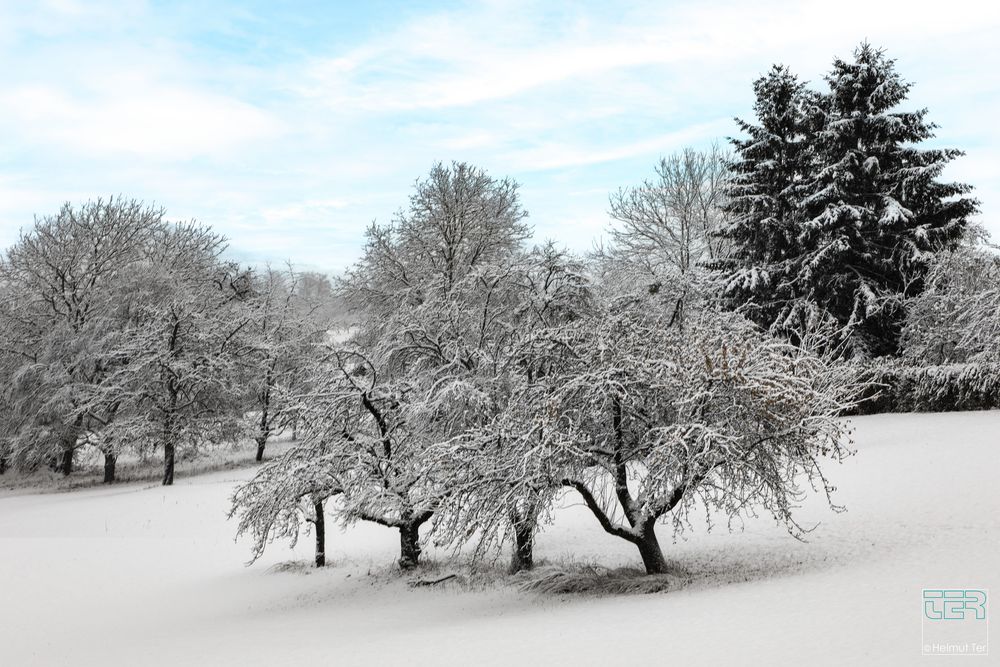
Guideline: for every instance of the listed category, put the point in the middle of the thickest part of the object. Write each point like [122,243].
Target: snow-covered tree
[183,343]
[762,204]
[875,211]
[545,287]
[667,226]
[647,420]
[282,338]
[956,318]
[459,218]
[379,401]
[65,279]
[846,230]
[284,495]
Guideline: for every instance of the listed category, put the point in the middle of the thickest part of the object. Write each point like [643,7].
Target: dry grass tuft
[595,580]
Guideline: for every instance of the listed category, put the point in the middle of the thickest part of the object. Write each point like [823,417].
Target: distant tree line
[127,333]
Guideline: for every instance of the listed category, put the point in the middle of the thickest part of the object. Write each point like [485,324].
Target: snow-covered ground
[142,575]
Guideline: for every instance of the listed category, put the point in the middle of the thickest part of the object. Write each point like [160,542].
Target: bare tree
[65,279]
[283,334]
[459,218]
[957,317]
[284,495]
[185,322]
[645,420]
[666,225]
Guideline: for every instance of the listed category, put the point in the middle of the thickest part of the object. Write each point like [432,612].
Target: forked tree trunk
[320,523]
[652,554]
[409,545]
[524,541]
[110,462]
[261,442]
[640,533]
[168,463]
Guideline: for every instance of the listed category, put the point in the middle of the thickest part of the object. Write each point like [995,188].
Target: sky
[289,127]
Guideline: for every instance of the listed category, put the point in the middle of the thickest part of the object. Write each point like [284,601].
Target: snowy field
[145,575]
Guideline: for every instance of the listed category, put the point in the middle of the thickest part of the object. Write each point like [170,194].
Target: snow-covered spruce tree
[65,278]
[875,212]
[181,386]
[282,338]
[763,219]
[647,420]
[836,212]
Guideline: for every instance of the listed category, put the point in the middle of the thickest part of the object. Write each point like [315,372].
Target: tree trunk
[169,433]
[652,554]
[68,441]
[66,463]
[168,463]
[110,461]
[524,542]
[320,534]
[262,432]
[409,545]
[3,464]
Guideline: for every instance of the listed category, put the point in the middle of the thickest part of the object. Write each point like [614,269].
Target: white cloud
[154,122]
[549,156]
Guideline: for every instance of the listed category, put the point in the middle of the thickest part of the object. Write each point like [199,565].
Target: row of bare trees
[127,333]
[486,378]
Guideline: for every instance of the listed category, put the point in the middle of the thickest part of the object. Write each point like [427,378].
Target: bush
[947,388]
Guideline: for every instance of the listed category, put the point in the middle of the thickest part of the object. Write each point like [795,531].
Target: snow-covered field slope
[142,575]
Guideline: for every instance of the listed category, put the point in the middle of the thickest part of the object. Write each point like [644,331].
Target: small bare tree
[666,225]
[282,337]
[285,494]
[956,318]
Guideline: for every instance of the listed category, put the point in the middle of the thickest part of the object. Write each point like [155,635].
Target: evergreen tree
[875,212]
[846,229]
[762,205]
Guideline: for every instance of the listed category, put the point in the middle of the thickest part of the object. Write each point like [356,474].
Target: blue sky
[291,126]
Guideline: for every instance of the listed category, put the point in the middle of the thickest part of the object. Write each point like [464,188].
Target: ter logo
[954,604]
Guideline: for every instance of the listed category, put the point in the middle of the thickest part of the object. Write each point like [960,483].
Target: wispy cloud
[291,132]
[144,120]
